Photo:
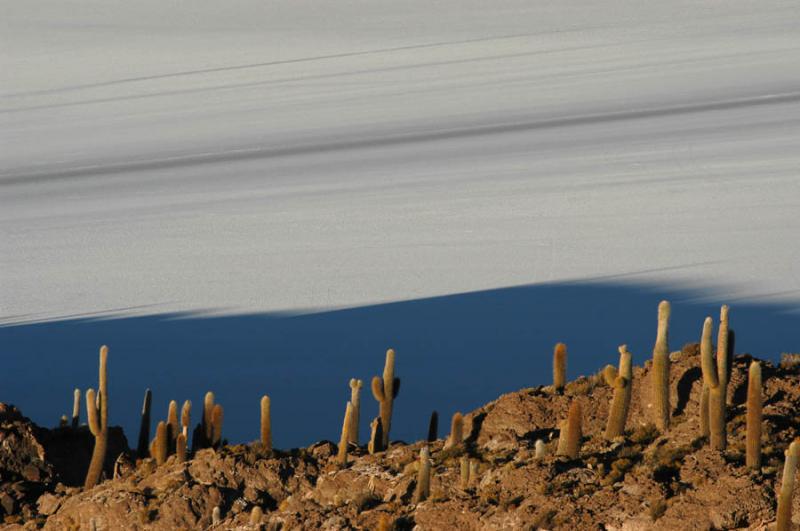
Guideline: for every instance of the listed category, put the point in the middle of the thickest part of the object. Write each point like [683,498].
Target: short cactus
[716,394]
[256,515]
[784,511]
[385,391]
[216,515]
[343,441]
[180,447]
[161,446]
[456,431]
[423,489]
[216,426]
[376,436]
[660,370]
[464,471]
[186,418]
[540,450]
[97,413]
[433,427]
[173,426]
[266,424]
[355,399]
[622,384]
[76,408]
[754,416]
[144,425]
[559,367]
[573,433]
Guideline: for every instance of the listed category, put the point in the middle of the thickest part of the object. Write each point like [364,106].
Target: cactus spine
[573,432]
[266,424]
[98,422]
[622,384]
[456,431]
[784,516]
[144,425]
[343,441]
[376,436]
[76,408]
[661,406]
[716,395]
[559,367]
[433,427]
[355,399]
[423,489]
[754,417]
[161,446]
[385,391]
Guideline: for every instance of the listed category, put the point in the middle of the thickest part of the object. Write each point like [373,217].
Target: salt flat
[302,156]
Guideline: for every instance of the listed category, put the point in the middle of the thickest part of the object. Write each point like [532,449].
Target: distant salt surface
[332,163]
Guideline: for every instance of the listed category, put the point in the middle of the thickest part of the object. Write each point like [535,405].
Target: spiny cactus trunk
[343,441]
[173,427]
[76,408]
[618,415]
[574,432]
[705,427]
[423,489]
[98,427]
[144,426]
[784,511]
[355,399]
[464,466]
[217,415]
[559,367]
[376,436]
[456,431]
[180,447]
[186,418]
[754,416]
[716,393]
[385,391]
[161,446]
[660,370]
[266,424]
[433,427]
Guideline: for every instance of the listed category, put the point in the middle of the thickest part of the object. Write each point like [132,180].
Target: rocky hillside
[644,480]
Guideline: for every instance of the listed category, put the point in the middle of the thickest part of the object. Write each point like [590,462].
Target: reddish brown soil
[646,481]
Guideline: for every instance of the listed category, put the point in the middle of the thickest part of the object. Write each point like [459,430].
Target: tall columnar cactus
[355,399]
[173,426]
[343,441]
[456,431]
[660,370]
[716,394]
[784,516]
[208,409]
[144,425]
[385,391]
[559,367]
[464,471]
[97,413]
[572,436]
[423,489]
[622,384]
[76,408]
[433,427]
[266,424]
[161,445]
[754,416]
[216,426]
[376,436]
[186,418]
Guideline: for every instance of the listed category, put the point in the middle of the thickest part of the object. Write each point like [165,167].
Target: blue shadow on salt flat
[454,352]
